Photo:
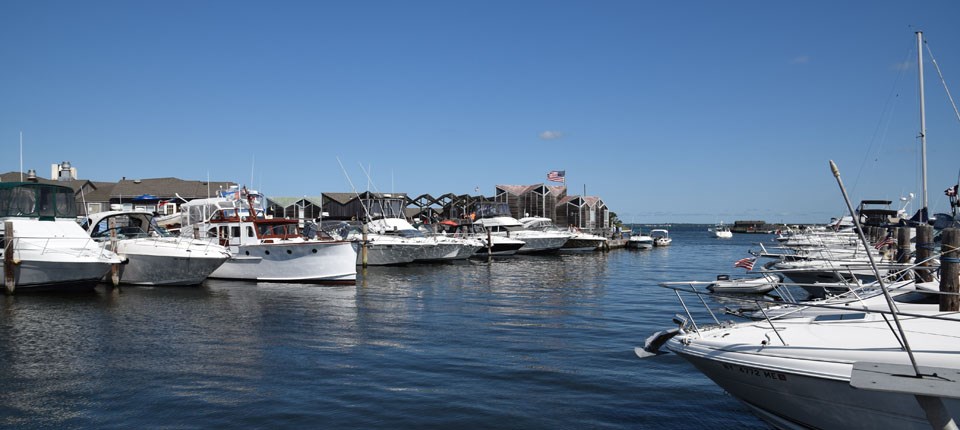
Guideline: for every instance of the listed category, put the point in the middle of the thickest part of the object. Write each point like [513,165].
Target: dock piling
[9,277]
[924,251]
[950,270]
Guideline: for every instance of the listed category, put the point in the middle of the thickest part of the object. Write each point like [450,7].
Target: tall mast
[923,124]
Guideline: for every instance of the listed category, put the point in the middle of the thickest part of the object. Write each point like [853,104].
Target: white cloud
[550,135]
[802,59]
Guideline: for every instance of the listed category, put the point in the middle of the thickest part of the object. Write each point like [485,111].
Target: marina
[531,341]
[377,216]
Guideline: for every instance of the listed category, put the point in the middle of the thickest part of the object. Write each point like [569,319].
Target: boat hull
[312,261]
[576,244]
[792,400]
[144,269]
[387,254]
[541,244]
[31,275]
[501,247]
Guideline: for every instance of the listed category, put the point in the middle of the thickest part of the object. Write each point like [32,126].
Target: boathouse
[531,200]
[584,212]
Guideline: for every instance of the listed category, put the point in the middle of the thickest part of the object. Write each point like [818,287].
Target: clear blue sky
[670,111]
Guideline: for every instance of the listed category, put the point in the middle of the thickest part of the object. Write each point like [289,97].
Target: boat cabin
[35,200]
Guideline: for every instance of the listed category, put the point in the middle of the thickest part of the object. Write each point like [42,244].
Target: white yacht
[386,221]
[800,372]
[263,248]
[578,241]
[496,218]
[638,240]
[46,249]
[154,256]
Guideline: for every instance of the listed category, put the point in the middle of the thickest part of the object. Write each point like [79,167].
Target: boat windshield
[492,209]
[281,230]
[384,208]
[24,199]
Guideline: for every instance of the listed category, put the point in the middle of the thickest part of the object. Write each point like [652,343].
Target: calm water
[528,342]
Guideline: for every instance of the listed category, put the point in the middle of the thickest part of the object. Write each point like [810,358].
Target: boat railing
[689,321]
[75,246]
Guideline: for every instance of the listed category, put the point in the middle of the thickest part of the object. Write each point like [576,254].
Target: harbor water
[531,342]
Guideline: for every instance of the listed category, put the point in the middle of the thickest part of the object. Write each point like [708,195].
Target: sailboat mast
[923,123]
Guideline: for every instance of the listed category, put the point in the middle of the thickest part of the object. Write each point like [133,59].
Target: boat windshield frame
[35,200]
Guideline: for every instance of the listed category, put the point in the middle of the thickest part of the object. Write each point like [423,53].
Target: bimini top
[35,200]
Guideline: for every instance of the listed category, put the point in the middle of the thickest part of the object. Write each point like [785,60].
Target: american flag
[884,242]
[557,175]
[746,263]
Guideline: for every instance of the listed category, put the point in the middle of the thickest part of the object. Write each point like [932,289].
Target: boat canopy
[35,200]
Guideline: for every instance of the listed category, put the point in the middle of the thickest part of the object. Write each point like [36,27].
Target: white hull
[744,285]
[539,243]
[804,378]
[307,261]
[144,269]
[637,244]
[388,254]
[58,274]
[723,234]
[583,243]
[786,399]
[55,255]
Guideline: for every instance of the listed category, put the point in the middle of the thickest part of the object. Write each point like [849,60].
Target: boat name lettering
[776,376]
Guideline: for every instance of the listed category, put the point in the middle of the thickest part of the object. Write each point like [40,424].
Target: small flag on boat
[884,242]
[950,192]
[557,175]
[746,263]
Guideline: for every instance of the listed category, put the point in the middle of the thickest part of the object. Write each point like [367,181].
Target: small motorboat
[761,285]
[660,237]
[722,232]
[638,240]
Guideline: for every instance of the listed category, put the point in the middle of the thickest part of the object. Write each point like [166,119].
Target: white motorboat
[381,250]
[495,217]
[266,249]
[154,256]
[426,249]
[46,250]
[797,372]
[578,240]
[661,237]
[638,240]
[721,231]
[758,285]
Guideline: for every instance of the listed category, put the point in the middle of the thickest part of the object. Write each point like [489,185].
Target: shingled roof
[167,188]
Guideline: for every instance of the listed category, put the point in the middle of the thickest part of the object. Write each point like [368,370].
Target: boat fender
[651,346]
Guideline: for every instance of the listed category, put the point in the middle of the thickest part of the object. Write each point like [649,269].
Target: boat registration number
[753,371]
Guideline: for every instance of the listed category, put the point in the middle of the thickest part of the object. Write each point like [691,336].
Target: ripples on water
[527,342]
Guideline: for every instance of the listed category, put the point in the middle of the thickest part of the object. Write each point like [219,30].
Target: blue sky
[670,111]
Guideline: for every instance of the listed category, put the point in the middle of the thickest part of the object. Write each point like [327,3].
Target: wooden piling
[489,247]
[903,244]
[9,275]
[363,247]
[924,251]
[114,268]
[950,270]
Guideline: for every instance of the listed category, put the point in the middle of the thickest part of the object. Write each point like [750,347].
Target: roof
[290,201]
[344,198]
[516,190]
[167,188]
